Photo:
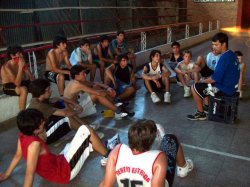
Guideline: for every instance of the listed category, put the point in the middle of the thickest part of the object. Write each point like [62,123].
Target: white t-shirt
[157,71]
[135,169]
[212,60]
[185,67]
[78,56]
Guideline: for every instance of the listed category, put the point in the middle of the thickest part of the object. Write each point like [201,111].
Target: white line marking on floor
[216,152]
[193,147]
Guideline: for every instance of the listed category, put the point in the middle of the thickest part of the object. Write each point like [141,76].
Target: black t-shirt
[173,59]
[123,74]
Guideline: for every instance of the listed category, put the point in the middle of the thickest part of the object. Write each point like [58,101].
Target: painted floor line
[193,147]
[216,152]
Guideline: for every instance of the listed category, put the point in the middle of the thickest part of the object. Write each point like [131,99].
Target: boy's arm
[109,73]
[66,59]
[145,76]
[109,177]
[178,70]
[65,112]
[34,150]
[111,55]
[89,90]
[73,105]
[165,72]
[90,60]
[159,170]
[99,52]
[132,78]
[16,159]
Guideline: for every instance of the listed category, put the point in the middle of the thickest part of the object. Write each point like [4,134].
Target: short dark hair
[57,40]
[14,49]
[121,56]
[221,37]
[188,52]
[29,120]
[152,54]
[38,87]
[103,38]
[120,32]
[141,135]
[175,43]
[238,53]
[75,70]
[83,41]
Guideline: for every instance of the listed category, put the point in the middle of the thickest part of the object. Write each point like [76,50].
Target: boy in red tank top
[55,168]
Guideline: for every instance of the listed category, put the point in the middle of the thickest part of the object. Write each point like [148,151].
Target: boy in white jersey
[206,66]
[139,165]
[185,72]
[156,77]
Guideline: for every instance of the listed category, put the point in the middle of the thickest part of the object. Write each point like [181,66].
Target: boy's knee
[22,90]
[60,77]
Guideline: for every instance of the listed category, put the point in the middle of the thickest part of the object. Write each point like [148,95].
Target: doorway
[245,18]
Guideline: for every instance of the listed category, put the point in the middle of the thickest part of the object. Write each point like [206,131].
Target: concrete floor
[221,152]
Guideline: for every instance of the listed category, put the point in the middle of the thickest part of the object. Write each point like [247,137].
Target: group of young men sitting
[45,121]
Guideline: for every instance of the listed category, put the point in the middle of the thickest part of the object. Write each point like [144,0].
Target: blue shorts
[121,86]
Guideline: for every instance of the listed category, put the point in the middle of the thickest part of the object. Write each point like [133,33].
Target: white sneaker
[240,94]
[120,115]
[112,142]
[187,91]
[167,97]
[183,171]
[95,125]
[100,134]
[161,131]
[155,98]
[104,161]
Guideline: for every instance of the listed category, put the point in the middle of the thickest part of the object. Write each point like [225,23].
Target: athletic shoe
[167,97]
[104,161]
[130,114]
[100,134]
[155,98]
[198,116]
[120,115]
[161,131]
[95,125]
[206,108]
[112,142]
[121,104]
[187,91]
[240,94]
[179,83]
[183,171]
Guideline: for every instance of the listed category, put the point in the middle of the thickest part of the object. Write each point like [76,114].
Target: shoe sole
[157,101]
[197,119]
